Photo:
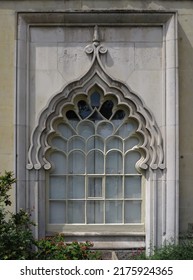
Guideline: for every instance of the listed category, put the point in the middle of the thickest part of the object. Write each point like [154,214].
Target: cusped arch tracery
[97,96]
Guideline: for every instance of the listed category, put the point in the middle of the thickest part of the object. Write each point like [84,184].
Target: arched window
[94,179]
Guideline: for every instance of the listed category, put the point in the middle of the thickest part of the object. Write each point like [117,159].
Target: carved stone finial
[95,47]
[96,40]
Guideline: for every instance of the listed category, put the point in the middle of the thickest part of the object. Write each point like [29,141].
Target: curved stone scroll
[151,149]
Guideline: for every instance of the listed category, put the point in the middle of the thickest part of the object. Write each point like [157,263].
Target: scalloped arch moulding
[159,148]
[96,75]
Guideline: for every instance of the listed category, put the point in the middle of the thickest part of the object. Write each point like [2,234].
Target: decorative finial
[95,47]
[96,40]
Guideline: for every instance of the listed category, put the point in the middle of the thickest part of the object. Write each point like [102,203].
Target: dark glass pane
[95,116]
[95,99]
[106,109]
[119,115]
[84,109]
[71,115]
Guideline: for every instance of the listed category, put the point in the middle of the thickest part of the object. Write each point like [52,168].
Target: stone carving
[151,148]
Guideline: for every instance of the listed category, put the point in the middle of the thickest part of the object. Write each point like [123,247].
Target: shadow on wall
[185,54]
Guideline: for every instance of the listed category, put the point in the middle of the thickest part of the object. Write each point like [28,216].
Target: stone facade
[149,58]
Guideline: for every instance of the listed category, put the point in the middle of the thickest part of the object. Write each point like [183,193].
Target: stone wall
[8,43]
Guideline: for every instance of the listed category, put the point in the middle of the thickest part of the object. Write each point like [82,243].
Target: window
[94,151]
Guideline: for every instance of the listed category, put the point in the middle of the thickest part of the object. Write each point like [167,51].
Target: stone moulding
[151,150]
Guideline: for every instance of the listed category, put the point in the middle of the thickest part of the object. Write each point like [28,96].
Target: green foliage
[16,238]
[54,248]
[169,251]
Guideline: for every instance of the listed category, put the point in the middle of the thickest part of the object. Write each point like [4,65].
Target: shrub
[16,238]
[169,251]
[55,248]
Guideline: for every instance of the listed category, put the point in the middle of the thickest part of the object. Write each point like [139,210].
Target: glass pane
[57,187]
[94,187]
[114,143]
[86,129]
[132,211]
[95,163]
[76,212]
[113,212]
[76,163]
[58,161]
[95,210]
[131,159]
[95,99]
[119,115]
[130,143]
[106,109]
[59,143]
[84,109]
[114,163]
[95,142]
[57,212]
[65,130]
[76,187]
[127,128]
[71,115]
[114,187]
[76,142]
[105,129]
[133,187]
[95,117]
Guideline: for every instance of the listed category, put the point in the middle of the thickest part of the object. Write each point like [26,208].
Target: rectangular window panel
[95,212]
[57,212]
[94,187]
[76,212]
[57,188]
[132,211]
[76,187]
[133,187]
[114,187]
[113,212]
